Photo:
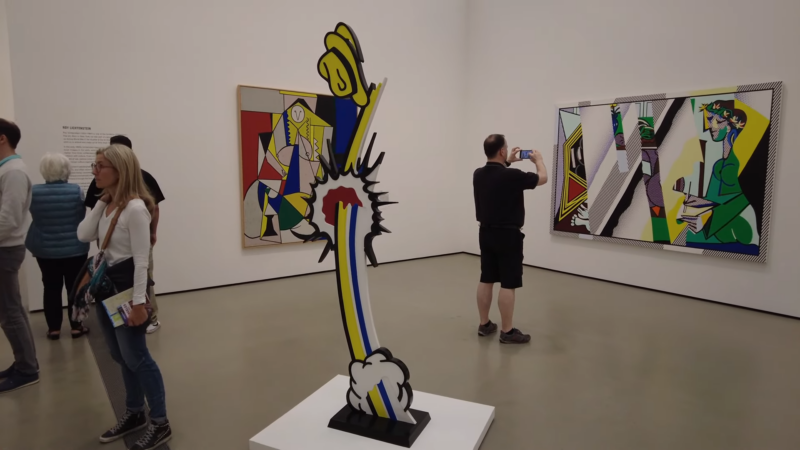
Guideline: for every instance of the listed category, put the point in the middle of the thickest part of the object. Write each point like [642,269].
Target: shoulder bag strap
[111,227]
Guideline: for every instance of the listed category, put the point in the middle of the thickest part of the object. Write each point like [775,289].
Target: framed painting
[282,135]
[689,172]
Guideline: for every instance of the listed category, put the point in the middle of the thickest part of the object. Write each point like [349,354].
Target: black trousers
[501,256]
[57,273]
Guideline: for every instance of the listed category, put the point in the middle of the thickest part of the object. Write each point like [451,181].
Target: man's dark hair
[493,144]
[122,140]
[11,131]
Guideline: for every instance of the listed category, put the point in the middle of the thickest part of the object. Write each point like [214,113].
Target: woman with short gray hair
[57,209]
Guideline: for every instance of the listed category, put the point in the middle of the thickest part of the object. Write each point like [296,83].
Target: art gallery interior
[632,347]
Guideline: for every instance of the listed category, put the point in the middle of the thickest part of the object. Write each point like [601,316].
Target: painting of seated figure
[282,136]
[690,172]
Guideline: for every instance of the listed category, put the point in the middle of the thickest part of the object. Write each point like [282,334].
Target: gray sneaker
[514,337]
[489,328]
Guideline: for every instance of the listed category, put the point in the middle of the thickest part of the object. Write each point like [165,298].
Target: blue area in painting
[346,115]
[293,179]
[735,247]
[262,192]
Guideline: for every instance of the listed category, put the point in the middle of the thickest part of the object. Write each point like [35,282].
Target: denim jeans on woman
[140,373]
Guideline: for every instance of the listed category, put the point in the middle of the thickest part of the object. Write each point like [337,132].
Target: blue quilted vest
[57,209]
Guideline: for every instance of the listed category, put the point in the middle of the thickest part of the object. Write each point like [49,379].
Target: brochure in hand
[119,307]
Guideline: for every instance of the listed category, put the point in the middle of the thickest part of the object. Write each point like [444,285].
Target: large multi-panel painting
[282,135]
[691,172]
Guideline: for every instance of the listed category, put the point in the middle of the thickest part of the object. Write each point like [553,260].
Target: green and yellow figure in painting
[715,209]
[346,216]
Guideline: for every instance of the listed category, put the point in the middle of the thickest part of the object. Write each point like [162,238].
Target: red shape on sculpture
[347,196]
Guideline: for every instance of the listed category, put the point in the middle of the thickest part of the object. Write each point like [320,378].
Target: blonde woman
[117,173]
[57,209]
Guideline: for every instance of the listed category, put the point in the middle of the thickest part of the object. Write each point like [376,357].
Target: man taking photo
[500,210]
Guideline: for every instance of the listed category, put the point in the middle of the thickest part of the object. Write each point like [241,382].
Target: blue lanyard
[9,159]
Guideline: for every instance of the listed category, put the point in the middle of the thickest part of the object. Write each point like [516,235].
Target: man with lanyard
[15,199]
[93,194]
[500,210]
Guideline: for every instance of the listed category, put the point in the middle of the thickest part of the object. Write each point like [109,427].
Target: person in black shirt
[500,210]
[93,194]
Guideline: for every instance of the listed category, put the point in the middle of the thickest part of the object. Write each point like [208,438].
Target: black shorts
[501,257]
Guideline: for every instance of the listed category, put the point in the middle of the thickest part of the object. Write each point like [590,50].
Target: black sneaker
[129,423]
[514,337]
[489,328]
[7,373]
[157,434]
[17,381]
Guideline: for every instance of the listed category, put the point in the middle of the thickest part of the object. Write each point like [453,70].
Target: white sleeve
[87,229]
[139,227]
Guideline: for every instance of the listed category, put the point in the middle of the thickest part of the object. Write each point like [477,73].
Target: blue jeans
[140,373]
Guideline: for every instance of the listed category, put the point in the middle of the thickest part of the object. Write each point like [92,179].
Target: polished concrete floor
[609,367]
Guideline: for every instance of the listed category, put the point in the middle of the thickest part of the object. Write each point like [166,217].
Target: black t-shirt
[499,199]
[93,193]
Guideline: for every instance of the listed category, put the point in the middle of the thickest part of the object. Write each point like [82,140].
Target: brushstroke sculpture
[380,396]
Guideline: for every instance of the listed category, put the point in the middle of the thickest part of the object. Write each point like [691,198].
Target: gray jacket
[15,199]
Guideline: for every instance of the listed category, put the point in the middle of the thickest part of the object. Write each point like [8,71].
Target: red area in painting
[268,172]
[575,190]
[252,123]
[345,195]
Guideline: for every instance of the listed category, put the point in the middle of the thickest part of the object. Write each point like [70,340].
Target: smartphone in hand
[525,154]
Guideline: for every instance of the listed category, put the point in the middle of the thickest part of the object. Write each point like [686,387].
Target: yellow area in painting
[647,233]
[751,135]
[725,90]
[366,114]
[299,201]
[672,218]
[315,120]
[305,131]
[292,133]
[271,148]
[299,94]
[567,207]
[317,144]
[264,215]
[683,167]
[305,127]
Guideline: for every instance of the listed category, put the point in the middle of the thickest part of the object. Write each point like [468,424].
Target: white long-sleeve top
[130,238]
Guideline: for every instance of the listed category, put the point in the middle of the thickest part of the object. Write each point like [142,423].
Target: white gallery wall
[525,57]
[7,112]
[6,91]
[165,73]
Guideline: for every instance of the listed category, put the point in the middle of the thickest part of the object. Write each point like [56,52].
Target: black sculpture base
[385,430]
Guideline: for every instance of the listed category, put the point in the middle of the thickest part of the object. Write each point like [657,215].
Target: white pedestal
[455,424]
